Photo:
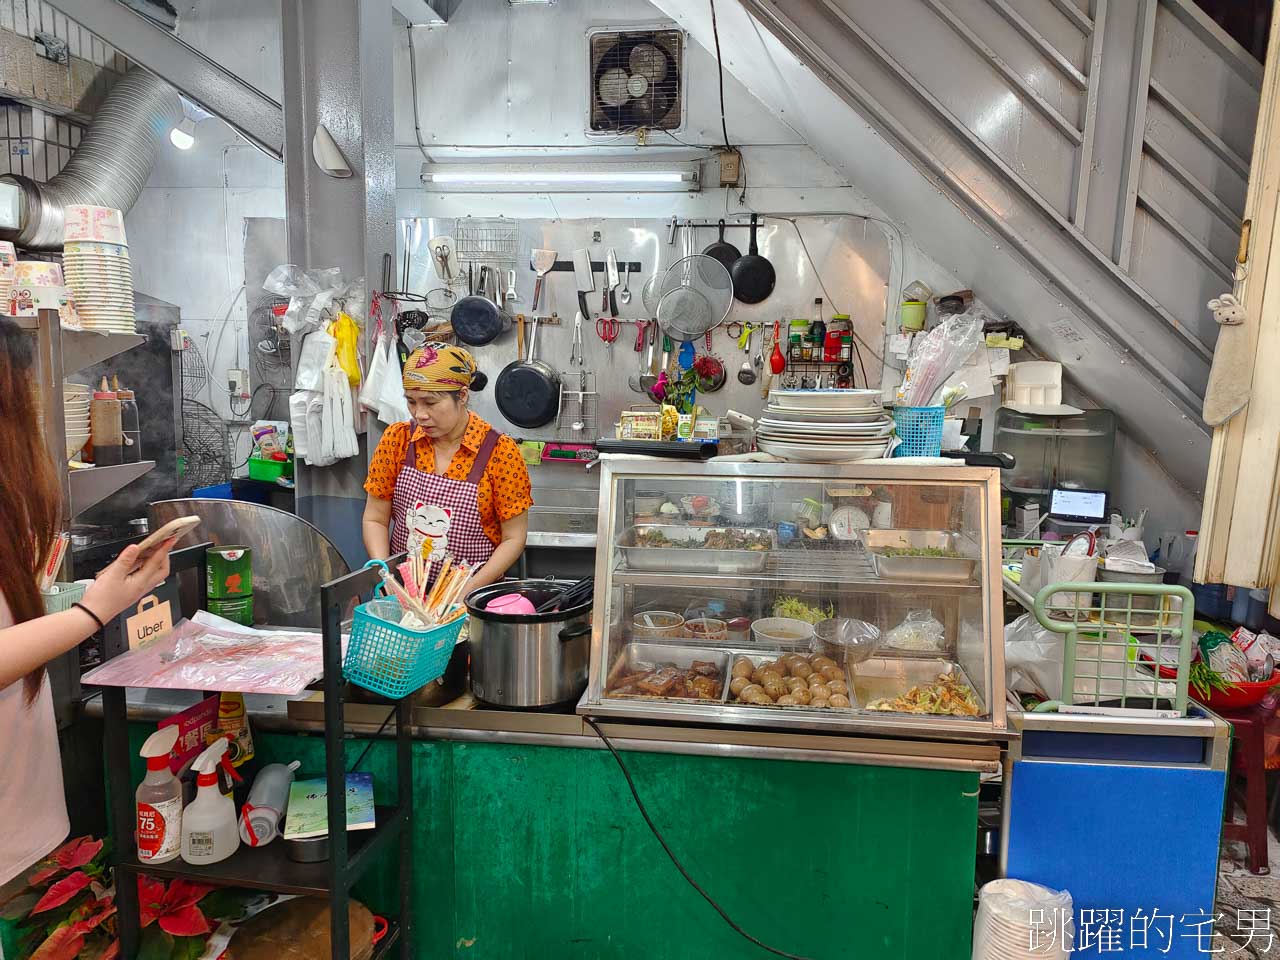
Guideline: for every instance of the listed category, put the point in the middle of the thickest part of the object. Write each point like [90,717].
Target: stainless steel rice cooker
[526,661]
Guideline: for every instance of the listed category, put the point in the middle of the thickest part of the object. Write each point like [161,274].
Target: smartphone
[174,528]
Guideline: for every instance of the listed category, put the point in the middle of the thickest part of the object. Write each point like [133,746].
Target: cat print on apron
[433,515]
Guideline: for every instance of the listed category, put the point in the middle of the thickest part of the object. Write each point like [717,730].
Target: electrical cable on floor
[413,89]
[372,740]
[591,722]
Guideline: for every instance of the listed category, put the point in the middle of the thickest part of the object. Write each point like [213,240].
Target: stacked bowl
[824,426]
[75,413]
[1018,920]
[96,259]
[8,269]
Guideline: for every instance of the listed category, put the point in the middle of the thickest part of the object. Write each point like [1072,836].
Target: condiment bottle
[158,801]
[105,427]
[130,426]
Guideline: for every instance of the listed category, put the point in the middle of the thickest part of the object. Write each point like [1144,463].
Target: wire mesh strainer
[697,293]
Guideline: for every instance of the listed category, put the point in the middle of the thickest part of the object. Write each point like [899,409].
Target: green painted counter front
[536,852]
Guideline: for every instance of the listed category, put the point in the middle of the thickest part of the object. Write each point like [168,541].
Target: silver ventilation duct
[111,165]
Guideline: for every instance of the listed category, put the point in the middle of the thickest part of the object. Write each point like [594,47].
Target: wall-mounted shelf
[82,349]
[92,485]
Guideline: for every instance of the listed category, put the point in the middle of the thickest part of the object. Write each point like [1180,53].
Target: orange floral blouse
[504,490]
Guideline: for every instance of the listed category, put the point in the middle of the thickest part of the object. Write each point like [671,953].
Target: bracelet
[81,606]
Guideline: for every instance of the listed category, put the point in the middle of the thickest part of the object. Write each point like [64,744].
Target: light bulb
[183,136]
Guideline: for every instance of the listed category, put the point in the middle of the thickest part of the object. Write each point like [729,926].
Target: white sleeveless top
[35,819]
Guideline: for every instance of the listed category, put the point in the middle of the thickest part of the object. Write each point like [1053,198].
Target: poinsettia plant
[67,910]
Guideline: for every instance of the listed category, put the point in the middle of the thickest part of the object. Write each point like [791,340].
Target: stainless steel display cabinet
[709,574]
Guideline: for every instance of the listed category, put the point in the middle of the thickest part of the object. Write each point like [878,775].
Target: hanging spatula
[541,262]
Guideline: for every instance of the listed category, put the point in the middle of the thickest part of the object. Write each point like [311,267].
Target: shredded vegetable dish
[919,552]
[946,696]
[714,540]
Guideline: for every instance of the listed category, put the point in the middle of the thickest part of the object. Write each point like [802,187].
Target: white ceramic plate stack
[95,259]
[75,413]
[824,426]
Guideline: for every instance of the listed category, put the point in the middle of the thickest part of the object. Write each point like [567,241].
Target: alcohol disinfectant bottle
[209,829]
[159,801]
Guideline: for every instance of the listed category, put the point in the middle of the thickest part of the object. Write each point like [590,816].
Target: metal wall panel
[852,256]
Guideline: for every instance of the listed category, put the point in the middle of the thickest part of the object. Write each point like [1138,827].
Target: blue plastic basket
[392,660]
[920,431]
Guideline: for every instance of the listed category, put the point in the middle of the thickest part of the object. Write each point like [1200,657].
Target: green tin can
[229,572]
[238,610]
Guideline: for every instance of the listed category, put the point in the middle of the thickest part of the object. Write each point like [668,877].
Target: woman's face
[438,412]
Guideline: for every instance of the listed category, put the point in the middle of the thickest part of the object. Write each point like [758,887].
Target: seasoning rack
[268,868]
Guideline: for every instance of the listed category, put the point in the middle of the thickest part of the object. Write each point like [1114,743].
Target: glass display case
[799,596]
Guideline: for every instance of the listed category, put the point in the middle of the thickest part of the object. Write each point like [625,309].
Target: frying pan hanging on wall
[753,275]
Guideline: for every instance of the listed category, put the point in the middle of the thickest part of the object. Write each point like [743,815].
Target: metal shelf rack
[268,868]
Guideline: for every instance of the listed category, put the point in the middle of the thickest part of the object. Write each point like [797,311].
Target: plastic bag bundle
[935,356]
[919,631]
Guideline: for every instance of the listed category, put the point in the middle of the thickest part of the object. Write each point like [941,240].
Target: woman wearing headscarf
[445,481]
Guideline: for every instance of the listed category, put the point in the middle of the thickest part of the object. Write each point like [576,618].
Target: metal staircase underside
[1082,164]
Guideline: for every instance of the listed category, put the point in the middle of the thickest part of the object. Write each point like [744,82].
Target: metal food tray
[757,657]
[889,677]
[638,652]
[935,569]
[691,559]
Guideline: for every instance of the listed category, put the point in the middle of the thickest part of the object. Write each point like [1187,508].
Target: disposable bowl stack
[95,260]
[8,270]
[75,412]
[1018,920]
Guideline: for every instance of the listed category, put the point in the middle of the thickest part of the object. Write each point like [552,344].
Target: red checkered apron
[435,515]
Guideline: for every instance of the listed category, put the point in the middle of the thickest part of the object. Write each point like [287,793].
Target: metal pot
[528,661]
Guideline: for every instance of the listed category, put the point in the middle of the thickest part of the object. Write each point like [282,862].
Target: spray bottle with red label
[159,801]
[209,829]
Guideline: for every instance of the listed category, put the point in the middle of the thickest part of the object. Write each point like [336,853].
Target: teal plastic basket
[68,593]
[920,431]
[392,660]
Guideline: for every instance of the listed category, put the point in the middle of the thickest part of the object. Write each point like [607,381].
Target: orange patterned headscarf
[438,367]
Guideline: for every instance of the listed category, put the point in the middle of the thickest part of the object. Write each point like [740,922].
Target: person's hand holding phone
[129,578]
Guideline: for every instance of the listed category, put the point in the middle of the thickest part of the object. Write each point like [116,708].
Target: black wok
[477,319]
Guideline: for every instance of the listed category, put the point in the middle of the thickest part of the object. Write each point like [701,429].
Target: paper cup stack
[8,269]
[96,259]
[75,412]
[1021,921]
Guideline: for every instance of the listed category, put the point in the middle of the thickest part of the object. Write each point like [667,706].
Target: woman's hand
[125,581]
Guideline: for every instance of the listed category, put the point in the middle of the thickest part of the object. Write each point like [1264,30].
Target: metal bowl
[847,639]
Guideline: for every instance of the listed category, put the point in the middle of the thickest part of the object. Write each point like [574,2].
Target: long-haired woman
[35,812]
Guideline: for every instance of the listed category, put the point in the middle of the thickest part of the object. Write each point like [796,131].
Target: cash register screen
[1085,505]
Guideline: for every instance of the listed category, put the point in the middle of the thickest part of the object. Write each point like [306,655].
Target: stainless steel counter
[462,721]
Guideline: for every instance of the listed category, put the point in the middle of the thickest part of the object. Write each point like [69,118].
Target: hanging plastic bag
[298,423]
[313,358]
[1050,566]
[392,406]
[316,455]
[347,350]
[338,439]
[378,366]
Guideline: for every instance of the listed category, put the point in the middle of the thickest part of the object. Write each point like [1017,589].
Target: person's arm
[29,645]
[505,554]
[376,527]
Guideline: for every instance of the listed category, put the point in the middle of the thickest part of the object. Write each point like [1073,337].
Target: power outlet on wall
[238,382]
[730,168]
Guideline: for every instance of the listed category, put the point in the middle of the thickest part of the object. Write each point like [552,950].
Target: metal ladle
[747,372]
[580,424]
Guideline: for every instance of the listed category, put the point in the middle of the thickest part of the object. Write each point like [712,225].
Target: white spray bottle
[209,829]
[159,801]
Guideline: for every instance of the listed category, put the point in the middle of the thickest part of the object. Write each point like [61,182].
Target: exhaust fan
[637,80]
